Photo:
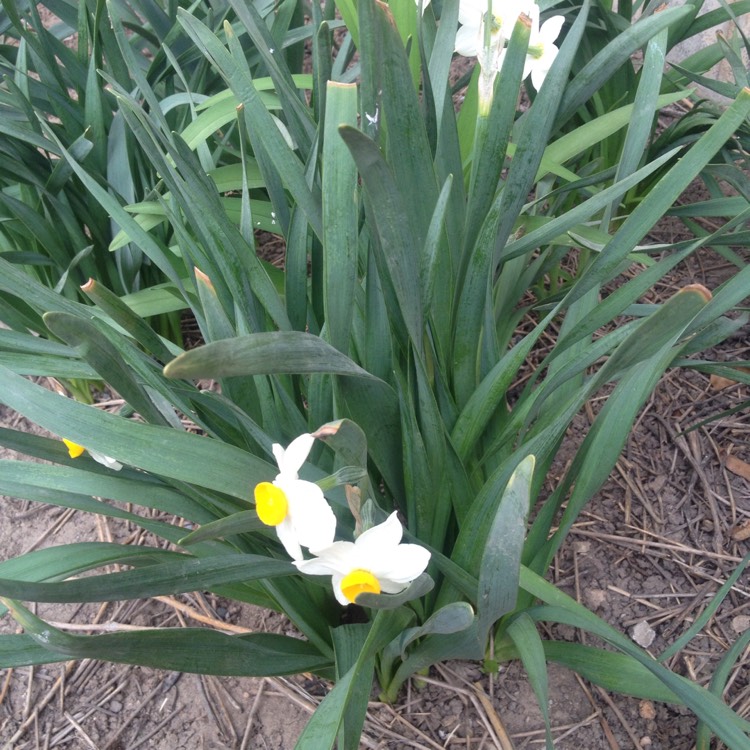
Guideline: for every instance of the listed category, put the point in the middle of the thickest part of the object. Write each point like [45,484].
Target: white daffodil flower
[296,508]
[376,562]
[471,15]
[542,50]
[75,450]
[471,41]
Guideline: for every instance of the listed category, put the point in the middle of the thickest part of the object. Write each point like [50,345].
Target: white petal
[314,567]
[290,460]
[278,454]
[542,65]
[551,29]
[404,564]
[338,557]
[338,592]
[467,41]
[313,520]
[288,537]
[380,540]
[470,12]
[110,463]
[537,78]
[507,14]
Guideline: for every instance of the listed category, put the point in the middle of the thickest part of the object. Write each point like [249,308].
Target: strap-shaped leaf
[322,729]
[107,358]
[33,481]
[612,670]
[524,635]
[724,722]
[175,577]
[197,650]
[261,126]
[415,590]
[164,451]
[293,352]
[237,523]
[340,216]
[661,197]
[396,253]
[502,548]
[601,67]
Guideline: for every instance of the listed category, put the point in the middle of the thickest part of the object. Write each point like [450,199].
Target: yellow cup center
[74,450]
[359,582]
[270,503]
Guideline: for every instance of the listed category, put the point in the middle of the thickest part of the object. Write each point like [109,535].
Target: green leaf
[395,253]
[501,549]
[415,590]
[456,618]
[340,216]
[661,197]
[719,680]
[322,729]
[452,618]
[726,724]
[348,642]
[262,130]
[611,670]
[639,362]
[407,147]
[124,316]
[493,133]
[601,66]
[646,100]
[522,631]
[175,577]
[106,358]
[554,229]
[164,451]
[82,490]
[708,612]
[196,650]
[236,523]
[292,352]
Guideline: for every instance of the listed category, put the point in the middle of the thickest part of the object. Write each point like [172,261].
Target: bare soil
[653,547]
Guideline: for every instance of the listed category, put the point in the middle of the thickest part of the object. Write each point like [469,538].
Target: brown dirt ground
[654,545]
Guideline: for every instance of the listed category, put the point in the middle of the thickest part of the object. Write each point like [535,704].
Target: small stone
[741,623]
[646,710]
[645,742]
[643,634]
[595,598]
[115,706]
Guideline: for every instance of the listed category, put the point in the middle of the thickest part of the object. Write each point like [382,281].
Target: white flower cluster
[470,38]
[375,562]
